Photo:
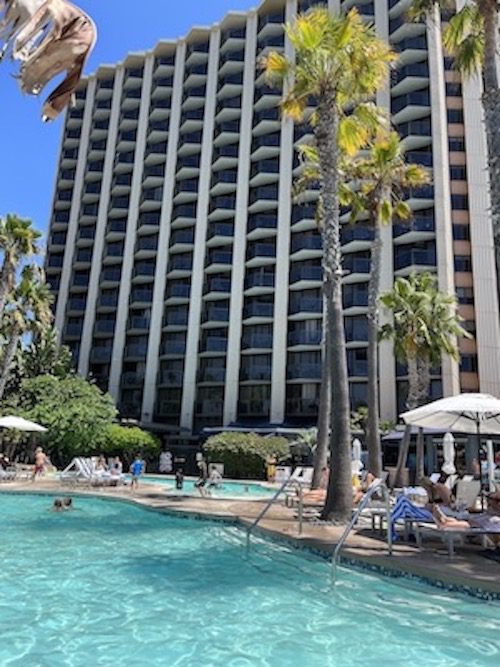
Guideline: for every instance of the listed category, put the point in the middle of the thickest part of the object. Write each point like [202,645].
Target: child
[136,470]
[179,479]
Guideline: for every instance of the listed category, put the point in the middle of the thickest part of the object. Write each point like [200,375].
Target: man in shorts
[40,463]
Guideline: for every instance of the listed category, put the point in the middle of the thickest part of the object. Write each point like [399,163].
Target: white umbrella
[448,466]
[465,413]
[356,463]
[20,424]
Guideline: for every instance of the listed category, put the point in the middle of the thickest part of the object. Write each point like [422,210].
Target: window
[470,326]
[468,363]
[448,63]
[461,232]
[455,116]
[453,89]
[463,263]
[456,144]
[458,172]
[460,202]
[465,295]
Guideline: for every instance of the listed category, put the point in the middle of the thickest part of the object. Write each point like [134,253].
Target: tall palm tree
[27,311]
[18,239]
[425,326]
[473,39]
[338,61]
[378,185]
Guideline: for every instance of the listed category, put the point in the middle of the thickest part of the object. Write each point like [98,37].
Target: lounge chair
[8,475]
[450,536]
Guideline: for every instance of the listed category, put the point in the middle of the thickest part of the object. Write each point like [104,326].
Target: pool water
[225,490]
[114,584]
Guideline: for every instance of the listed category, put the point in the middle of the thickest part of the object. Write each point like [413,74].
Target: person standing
[136,470]
[40,463]
[179,479]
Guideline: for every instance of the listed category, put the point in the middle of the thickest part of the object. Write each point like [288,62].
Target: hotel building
[188,281]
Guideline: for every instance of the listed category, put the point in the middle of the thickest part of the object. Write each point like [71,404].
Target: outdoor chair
[8,475]
[449,536]
[466,494]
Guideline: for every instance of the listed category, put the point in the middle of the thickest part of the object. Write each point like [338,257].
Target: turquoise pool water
[113,584]
[227,489]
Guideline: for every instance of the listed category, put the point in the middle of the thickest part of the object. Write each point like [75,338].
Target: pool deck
[467,571]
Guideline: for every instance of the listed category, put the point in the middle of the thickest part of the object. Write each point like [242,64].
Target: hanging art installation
[47,37]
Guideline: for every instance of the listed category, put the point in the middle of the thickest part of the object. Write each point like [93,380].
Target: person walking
[136,470]
[40,463]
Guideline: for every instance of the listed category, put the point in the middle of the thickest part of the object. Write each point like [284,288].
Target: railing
[270,502]
[376,486]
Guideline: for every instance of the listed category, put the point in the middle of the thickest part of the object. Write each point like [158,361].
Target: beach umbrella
[448,466]
[356,462]
[20,424]
[466,413]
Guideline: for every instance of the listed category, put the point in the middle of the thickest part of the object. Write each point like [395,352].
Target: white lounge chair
[450,536]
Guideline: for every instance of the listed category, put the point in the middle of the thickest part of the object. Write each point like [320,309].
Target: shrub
[74,411]
[126,442]
[244,454]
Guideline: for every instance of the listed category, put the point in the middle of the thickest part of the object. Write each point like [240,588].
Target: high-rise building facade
[188,280]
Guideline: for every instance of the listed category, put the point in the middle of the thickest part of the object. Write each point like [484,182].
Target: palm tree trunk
[8,358]
[491,106]
[372,422]
[324,412]
[411,402]
[5,280]
[339,496]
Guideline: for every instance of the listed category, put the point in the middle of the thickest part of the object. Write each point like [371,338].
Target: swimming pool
[227,489]
[114,584]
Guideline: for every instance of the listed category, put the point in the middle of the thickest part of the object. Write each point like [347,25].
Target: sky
[30,147]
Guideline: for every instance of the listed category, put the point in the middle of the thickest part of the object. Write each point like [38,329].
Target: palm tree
[18,239]
[27,311]
[425,327]
[379,179]
[472,38]
[338,61]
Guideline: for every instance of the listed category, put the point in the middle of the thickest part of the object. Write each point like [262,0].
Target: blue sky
[29,148]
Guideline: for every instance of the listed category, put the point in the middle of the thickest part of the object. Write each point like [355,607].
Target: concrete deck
[468,570]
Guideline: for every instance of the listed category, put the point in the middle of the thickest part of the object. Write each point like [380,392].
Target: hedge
[244,454]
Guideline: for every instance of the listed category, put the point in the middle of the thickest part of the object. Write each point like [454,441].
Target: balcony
[212,375]
[108,300]
[257,341]
[305,337]
[306,242]
[260,279]
[105,326]
[55,261]
[178,290]
[178,317]
[77,305]
[357,235]
[306,371]
[136,322]
[357,264]
[409,258]
[147,243]
[125,158]
[302,407]
[182,237]
[117,226]
[178,263]
[132,379]
[306,304]
[73,330]
[419,223]
[171,378]
[256,373]
[355,298]
[111,275]
[173,347]
[86,233]
[254,408]
[261,221]
[144,270]
[216,314]
[222,257]
[220,229]
[141,296]
[306,273]
[138,350]
[265,310]
[101,355]
[222,285]
[214,344]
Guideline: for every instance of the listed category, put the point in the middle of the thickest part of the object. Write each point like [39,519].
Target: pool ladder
[289,483]
[377,486]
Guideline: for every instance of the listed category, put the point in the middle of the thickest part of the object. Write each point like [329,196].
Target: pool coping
[376,564]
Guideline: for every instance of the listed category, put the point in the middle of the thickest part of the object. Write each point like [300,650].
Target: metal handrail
[261,515]
[380,486]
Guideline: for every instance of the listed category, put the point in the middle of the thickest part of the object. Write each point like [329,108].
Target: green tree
[338,61]
[27,311]
[75,412]
[378,184]
[18,240]
[425,326]
[126,442]
[472,38]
